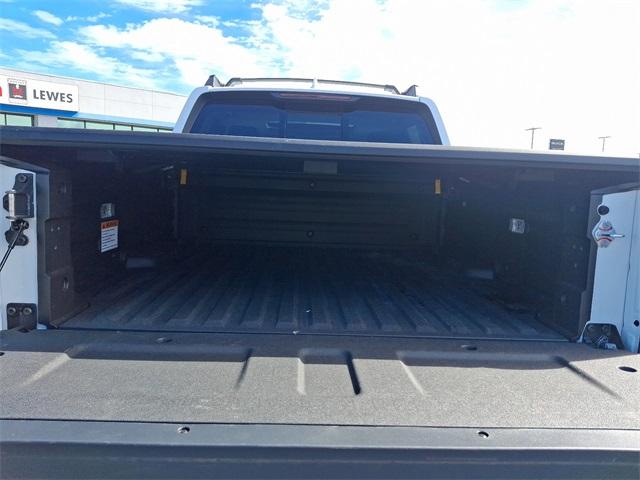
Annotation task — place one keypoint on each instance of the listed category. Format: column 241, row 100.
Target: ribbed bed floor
column 297, row 290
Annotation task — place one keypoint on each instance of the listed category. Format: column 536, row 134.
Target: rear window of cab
column 314, row 116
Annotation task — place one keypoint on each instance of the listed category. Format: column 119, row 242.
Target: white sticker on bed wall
column 108, row 235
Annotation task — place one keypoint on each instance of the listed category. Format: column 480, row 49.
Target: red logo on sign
column 18, row 91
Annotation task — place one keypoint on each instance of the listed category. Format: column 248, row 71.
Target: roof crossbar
column 315, row 82
column 214, row 81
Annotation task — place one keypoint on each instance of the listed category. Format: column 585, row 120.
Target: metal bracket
column 213, row 81
column 518, row 225
column 602, row 335
column 412, row 91
column 18, row 201
column 22, row 315
column 16, row 230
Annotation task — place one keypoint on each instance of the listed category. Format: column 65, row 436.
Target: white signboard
column 38, row 94
column 108, row 235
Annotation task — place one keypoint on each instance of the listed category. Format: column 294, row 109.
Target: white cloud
column 95, row 18
column 196, row 50
column 162, row 6
column 570, row 66
column 20, row 29
column 83, row 58
column 90, row 18
column 48, row 17
column 209, row 20
column 146, row 56
column 233, row 23
column 494, row 67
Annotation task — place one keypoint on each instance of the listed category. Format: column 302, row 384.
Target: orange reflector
column 437, row 187
column 183, row 176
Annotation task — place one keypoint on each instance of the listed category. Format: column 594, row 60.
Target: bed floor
column 304, row 290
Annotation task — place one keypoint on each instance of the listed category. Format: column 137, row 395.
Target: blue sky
column 495, row 67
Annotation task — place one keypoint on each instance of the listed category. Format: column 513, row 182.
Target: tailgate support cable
column 18, row 226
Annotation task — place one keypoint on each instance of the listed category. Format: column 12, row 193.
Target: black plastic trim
column 188, row 142
column 52, row 449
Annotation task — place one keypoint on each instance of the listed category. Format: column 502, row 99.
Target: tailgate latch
column 19, row 200
column 604, row 233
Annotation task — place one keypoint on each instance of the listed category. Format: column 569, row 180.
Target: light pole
column 604, row 139
column 533, row 131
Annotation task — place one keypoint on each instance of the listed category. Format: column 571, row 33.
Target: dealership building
column 33, row 99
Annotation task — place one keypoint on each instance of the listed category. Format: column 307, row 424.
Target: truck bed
column 307, row 290
column 270, row 360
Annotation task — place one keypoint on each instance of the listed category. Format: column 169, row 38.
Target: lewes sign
column 35, row 93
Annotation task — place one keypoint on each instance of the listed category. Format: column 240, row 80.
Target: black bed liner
column 307, row 290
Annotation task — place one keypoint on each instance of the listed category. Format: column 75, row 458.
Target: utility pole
column 533, row 131
column 604, row 139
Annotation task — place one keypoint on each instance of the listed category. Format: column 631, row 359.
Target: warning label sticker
column 108, row 235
